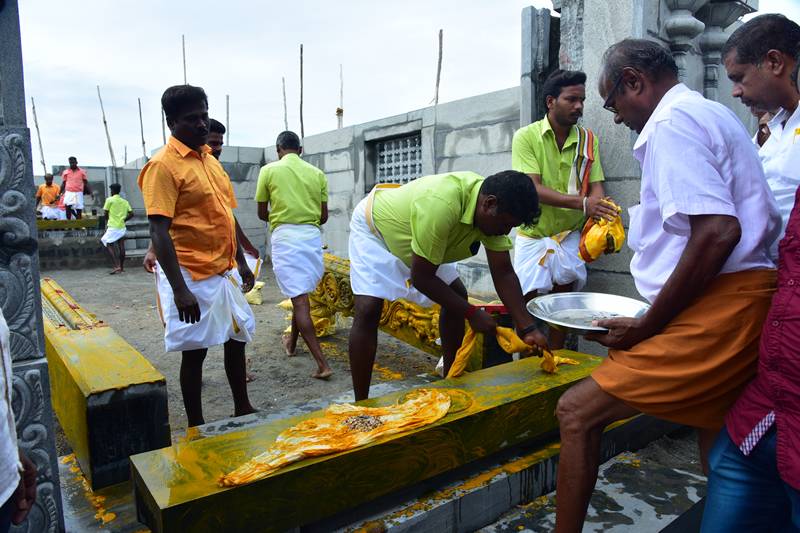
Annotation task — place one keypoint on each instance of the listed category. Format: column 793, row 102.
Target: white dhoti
column 112, row 235
column 74, row 199
column 51, row 212
column 297, row 258
column 375, row 271
column 542, row 263
column 224, row 312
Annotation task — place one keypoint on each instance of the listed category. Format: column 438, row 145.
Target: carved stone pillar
column 717, row 16
column 19, row 282
column 681, row 27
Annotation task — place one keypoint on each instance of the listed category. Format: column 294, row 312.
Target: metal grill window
column 399, row 160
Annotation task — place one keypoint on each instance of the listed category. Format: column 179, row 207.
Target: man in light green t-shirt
column 117, row 211
column 404, row 242
column 564, row 162
column 292, row 196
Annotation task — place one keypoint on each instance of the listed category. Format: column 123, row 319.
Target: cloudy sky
column 132, row 49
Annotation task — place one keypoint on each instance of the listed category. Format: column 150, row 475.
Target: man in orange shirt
column 73, row 186
column 201, row 271
column 47, row 195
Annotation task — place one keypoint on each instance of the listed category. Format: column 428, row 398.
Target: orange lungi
column 695, row 368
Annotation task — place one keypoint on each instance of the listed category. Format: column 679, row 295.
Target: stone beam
column 176, row 488
column 110, row 400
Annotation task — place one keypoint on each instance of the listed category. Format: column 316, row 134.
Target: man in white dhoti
column 404, row 242
column 47, row 195
column 74, row 185
column 201, row 271
column 563, row 160
column 293, row 196
column 117, row 211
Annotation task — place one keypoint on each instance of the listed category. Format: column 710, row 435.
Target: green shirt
column 433, row 217
column 534, row 151
column 294, row 189
column 118, row 208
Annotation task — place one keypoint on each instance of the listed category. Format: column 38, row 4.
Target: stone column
column 19, row 282
column 717, row 16
column 540, row 38
column 681, row 27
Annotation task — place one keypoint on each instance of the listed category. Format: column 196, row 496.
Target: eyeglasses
column 607, row 105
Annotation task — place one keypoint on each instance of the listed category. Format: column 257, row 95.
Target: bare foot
column 290, row 350
column 115, row 271
column 323, row 374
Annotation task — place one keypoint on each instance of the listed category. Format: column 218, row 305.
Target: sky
column 132, row 49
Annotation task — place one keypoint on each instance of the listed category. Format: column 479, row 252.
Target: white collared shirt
column 780, row 157
column 697, row 159
column 9, row 453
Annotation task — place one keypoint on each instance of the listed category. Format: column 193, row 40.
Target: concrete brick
column 486, row 108
column 391, row 127
column 337, row 161
column 230, row 154
column 324, row 142
column 487, row 139
column 619, row 262
column 251, row 155
column 341, row 182
column 485, row 165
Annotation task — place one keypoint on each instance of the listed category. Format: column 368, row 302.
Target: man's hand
column 188, row 308
column 623, row 332
column 482, row 322
column 535, row 338
column 597, row 208
column 149, row 262
column 248, row 280
column 25, row 495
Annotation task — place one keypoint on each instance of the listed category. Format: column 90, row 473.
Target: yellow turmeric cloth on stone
column 342, row 427
column 510, row 342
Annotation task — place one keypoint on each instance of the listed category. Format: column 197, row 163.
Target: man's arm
column 128, row 217
column 424, row 278
column 712, row 240
column 241, row 262
column 323, row 217
column 595, row 207
column 107, row 214
column 63, row 186
column 86, row 188
column 508, row 289
column 188, row 308
column 263, row 212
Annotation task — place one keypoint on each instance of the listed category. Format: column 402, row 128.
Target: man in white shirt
column 701, row 238
column 761, row 60
column 17, row 472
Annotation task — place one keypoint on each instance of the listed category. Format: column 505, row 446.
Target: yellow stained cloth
column 510, row 342
column 342, row 427
column 602, row 236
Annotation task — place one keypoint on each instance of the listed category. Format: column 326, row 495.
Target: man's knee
column 570, row 414
column 368, row 310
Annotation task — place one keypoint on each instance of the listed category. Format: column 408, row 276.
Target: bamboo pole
column 227, row 119
column 125, row 158
column 38, row 135
column 340, row 109
column 438, row 69
column 163, row 128
column 302, row 127
column 108, row 136
column 141, row 130
column 285, row 113
column 183, row 48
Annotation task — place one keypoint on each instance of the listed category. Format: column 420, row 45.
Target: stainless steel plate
column 575, row 311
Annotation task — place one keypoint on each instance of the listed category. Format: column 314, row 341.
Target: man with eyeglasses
column 701, row 238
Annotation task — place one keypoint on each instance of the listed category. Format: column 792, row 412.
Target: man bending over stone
column 404, row 242
column 201, row 271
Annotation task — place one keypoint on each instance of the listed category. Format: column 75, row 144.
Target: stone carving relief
column 30, row 394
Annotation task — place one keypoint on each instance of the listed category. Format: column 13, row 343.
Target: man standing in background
column 47, row 195
column 117, row 211
column 73, row 186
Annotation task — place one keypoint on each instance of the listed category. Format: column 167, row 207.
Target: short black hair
column 288, row 140
column 178, row 97
column 559, row 79
column 752, row 40
column 70, row 158
column 115, row 188
column 215, row 126
column 515, row 193
column 644, row 55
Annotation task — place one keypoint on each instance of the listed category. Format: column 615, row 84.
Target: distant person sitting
column 117, row 211
column 47, row 195
column 73, row 187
